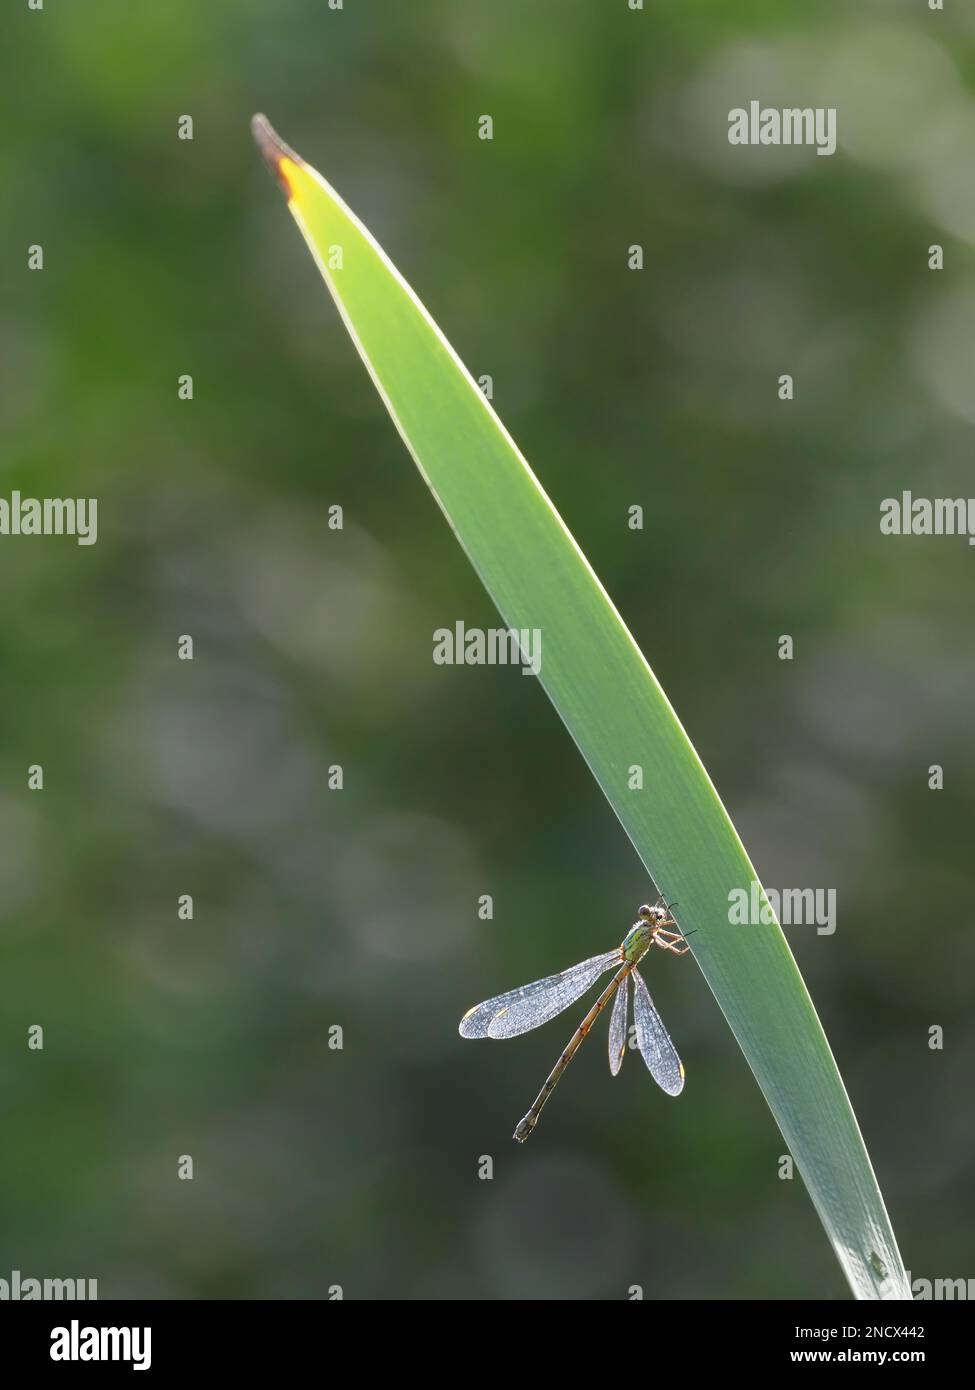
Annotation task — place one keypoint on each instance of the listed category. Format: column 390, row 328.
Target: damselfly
column 521, row 1010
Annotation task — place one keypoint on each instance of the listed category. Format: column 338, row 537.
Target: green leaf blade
column 613, row 707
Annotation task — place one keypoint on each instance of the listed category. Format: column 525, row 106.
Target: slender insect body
column 520, row 1010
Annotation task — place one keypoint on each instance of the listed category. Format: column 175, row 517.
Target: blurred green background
column 316, row 1167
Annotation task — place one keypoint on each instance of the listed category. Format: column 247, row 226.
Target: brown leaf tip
column 273, row 148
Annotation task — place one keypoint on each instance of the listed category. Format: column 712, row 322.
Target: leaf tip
column 276, row 153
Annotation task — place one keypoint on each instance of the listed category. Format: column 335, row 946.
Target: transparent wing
column 658, row 1051
column 617, row 1026
column 520, row 1010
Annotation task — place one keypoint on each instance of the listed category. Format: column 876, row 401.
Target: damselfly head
column 656, row 915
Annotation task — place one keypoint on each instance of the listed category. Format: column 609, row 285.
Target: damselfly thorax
column 650, row 930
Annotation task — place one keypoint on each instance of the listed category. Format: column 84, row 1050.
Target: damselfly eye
column 645, row 910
